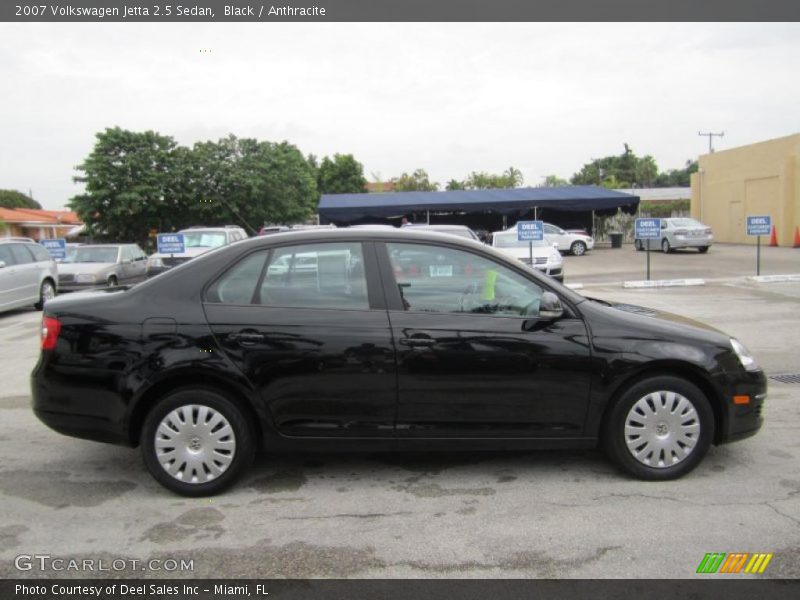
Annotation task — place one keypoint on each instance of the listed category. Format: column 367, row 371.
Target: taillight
column 51, row 327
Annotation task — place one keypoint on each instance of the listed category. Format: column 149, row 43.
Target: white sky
column 449, row 98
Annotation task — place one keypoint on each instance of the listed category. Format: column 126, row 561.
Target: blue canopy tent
column 346, row 209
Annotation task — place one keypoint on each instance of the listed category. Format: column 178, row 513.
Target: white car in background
column 575, row 243
column 546, row 257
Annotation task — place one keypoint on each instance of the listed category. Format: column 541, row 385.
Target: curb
column 658, row 283
column 774, row 278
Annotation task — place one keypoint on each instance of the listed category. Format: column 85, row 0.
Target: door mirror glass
column 550, row 306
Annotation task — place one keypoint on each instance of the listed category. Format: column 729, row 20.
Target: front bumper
column 741, row 421
column 74, row 286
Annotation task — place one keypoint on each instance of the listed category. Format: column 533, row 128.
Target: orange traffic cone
column 797, row 237
column 773, row 239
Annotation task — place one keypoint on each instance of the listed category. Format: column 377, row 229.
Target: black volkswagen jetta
column 379, row 339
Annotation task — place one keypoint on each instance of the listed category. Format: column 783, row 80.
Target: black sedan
column 376, row 340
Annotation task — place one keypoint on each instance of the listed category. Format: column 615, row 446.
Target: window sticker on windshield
column 441, row 270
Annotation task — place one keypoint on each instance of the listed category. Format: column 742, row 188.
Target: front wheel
column 702, row 249
column 578, row 248
column 660, row 428
column 639, row 245
column 665, row 247
column 112, row 281
column 196, row 442
column 47, row 291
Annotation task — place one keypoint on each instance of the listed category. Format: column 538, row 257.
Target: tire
column 577, row 249
column 47, row 291
column 112, row 281
column 196, row 470
column 639, row 245
column 670, row 443
column 702, row 249
column 665, row 247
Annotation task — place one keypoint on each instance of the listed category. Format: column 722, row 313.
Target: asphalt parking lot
column 532, row 514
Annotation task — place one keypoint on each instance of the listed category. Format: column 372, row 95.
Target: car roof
column 436, row 226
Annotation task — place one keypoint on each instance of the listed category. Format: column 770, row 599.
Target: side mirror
column 2, row 264
column 550, row 307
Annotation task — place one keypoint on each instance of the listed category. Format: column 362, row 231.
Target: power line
column 710, row 137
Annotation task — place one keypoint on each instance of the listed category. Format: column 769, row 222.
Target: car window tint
column 551, row 229
column 39, row 253
column 21, row 254
column 5, row 254
column 238, row 284
column 316, row 276
column 440, row 279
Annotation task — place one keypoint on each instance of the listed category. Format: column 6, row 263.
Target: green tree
column 126, row 179
column 554, row 181
column 15, row 199
column 341, row 175
column 481, row 180
column 621, row 171
column 247, row 182
column 677, row 177
column 454, row 184
column 418, row 181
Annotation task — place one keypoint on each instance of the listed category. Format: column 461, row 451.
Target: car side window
column 325, row 275
column 551, row 229
column 5, row 255
column 39, row 253
column 238, row 284
column 22, row 255
column 447, row 280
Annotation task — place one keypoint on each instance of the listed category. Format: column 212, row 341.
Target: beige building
column 758, row 179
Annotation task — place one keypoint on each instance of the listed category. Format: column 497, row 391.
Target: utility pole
column 711, row 136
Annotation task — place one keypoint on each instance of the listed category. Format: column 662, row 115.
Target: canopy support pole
column 429, row 216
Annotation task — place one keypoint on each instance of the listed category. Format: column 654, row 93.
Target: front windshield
column 203, row 239
column 509, row 240
column 89, row 254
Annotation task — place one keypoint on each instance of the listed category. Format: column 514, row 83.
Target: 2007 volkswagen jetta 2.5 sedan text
column 382, row 340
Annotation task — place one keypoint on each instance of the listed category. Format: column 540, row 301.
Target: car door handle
column 417, row 342
column 246, row 338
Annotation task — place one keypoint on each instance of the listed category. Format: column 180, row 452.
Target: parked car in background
column 546, row 257
column 459, row 230
column 574, row 243
column 680, row 232
column 269, row 229
column 101, row 265
column 196, row 241
column 28, row 275
column 382, row 339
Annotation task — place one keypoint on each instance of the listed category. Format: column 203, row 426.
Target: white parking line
column 656, row 283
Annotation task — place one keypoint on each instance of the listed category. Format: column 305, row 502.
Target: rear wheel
column 196, row 442
column 578, row 248
column 702, row 249
column 47, row 291
column 665, row 247
column 112, row 281
column 639, row 245
column 660, row 428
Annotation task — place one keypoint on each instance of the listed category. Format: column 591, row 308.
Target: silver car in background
column 680, row 232
column 101, row 265
column 28, row 275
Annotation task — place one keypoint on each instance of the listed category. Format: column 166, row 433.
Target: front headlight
column 748, row 362
column 155, row 261
column 85, row 278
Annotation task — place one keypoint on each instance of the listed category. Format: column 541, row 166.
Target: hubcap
column 579, row 249
column 662, row 429
column 195, row 443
